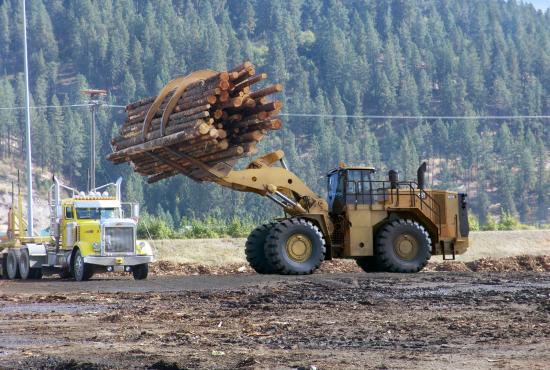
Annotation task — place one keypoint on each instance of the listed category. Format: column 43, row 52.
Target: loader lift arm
column 263, row 178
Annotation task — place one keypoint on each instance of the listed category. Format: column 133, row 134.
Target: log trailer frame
column 88, row 233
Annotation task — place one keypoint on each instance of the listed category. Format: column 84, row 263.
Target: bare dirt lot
column 430, row 320
column 203, row 307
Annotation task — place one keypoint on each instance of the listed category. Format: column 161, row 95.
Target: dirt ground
column 429, row 320
column 483, row 244
column 203, row 307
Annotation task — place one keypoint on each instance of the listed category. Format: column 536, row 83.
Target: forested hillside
column 335, row 57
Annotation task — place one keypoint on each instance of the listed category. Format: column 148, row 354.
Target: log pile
column 216, row 119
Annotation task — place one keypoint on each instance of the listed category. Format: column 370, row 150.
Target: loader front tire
column 254, row 249
column 295, row 247
column 403, row 246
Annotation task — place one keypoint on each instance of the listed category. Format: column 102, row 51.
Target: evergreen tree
column 334, row 57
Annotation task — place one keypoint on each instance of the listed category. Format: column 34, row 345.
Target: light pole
column 28, row 141
column 94, row 104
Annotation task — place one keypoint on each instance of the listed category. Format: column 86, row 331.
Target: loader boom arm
column 277, row 183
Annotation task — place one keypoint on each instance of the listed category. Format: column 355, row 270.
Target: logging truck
column 385, row 224
column 88, row 233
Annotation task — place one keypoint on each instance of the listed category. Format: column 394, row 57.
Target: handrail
column 428, row 204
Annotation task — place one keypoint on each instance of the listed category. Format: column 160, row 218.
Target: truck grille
column 119, row 240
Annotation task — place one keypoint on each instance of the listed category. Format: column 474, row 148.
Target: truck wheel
column 403, row 246
column 24, row 264
column 82, row 271
column 368, row 263
column 12, row 265
column 25, row 267
column 4, row 262
column 140, row 272
column 254, row 249
column 295, row 247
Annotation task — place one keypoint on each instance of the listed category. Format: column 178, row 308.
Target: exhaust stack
column 421, row 175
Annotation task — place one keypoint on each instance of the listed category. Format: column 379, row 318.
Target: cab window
column 69, row 212
column 336, row 192
column 95, row 213
column 358, row 187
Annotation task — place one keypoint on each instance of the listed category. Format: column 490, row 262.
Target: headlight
column 96, row 246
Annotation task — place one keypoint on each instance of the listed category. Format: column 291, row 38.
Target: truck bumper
column 118, row 260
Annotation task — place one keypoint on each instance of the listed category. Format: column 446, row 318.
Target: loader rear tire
column 254, row 249
column 403, row 246
column 368, row 263
column 295, row 247
column 12, row 265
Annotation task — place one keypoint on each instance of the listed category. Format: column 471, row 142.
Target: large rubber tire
column 82, row 271
column 255, row 251
column 293, row 236
column 24, row 264
column 368, row 263
column 4, row 262
column 403, row 246
column 140, row 272
column 25, row 269
column 12, row 265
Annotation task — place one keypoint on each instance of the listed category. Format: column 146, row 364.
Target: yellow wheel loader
column 385, row 225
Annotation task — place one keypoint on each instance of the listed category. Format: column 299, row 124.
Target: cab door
column 336, row 193
column 358, row 195
column 68, row 223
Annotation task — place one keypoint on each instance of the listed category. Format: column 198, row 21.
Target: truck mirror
column 135, row 210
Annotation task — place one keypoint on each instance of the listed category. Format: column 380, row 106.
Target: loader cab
column 349, row 185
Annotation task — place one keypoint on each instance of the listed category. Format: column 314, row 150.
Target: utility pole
column 94, row 104
column 27, row 103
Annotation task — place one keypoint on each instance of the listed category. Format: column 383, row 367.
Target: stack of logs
column 217, row 119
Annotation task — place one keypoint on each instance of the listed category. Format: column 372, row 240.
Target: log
column 157, row 143
column 240, row 67
column 219, row 119
column 201, row 125
column 251, row 81
column 267, row 91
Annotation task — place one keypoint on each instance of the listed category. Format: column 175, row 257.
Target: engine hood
column 122, row 222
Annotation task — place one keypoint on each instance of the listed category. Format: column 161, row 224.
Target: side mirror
column 135, row 211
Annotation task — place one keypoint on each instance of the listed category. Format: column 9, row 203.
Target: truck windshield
column 95, row 213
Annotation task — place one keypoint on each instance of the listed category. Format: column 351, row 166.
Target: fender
column 36, row 250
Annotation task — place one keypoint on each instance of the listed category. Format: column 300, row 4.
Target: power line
column 113, row 106
column 316, row 115
column 46, row 106
column 370, row 116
